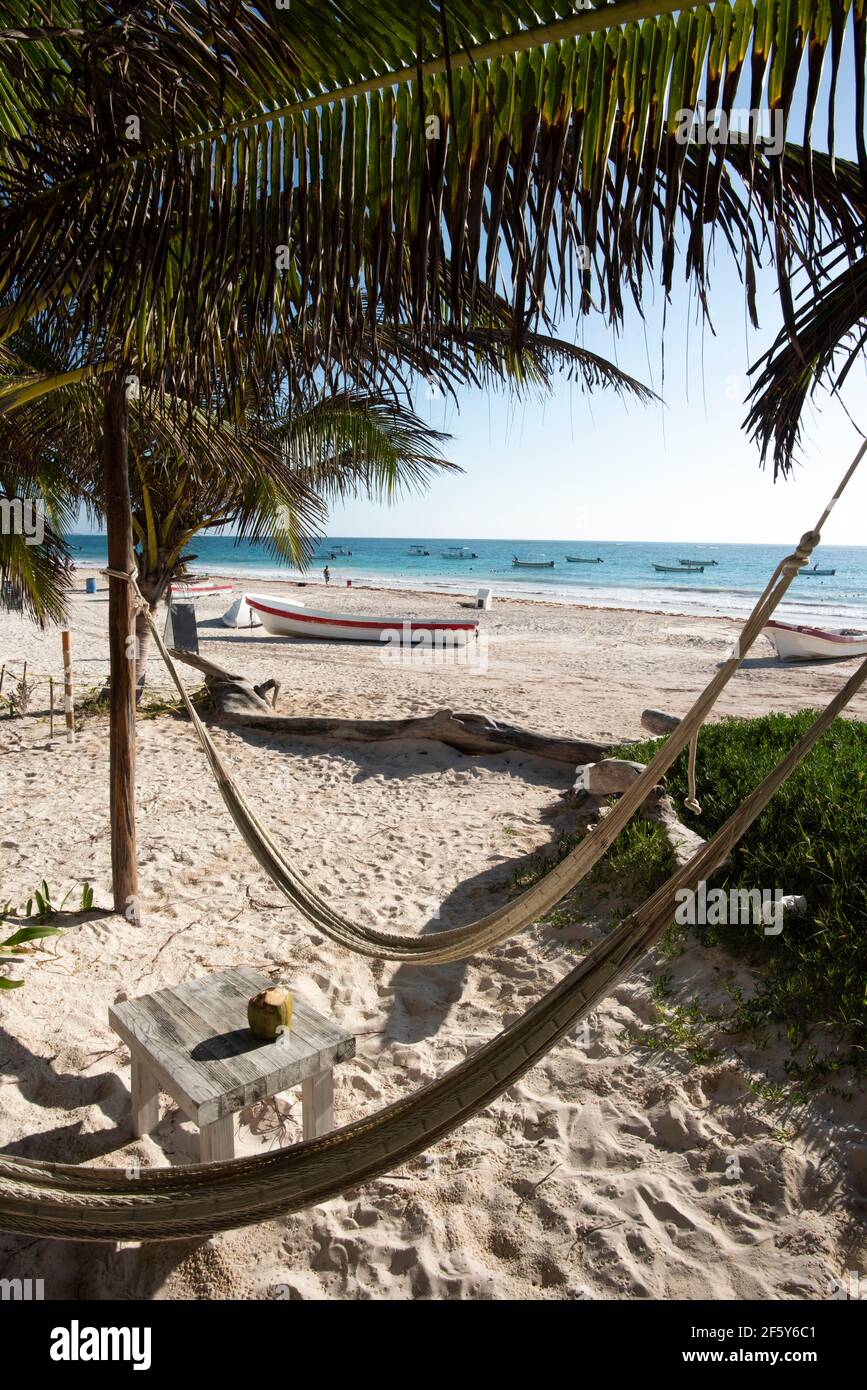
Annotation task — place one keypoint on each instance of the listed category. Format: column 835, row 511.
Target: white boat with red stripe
column 286, row 619
column 815, row 643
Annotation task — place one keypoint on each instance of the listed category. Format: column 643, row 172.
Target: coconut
column 269, row 1012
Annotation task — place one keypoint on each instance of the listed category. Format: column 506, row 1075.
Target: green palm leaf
column 250, row 121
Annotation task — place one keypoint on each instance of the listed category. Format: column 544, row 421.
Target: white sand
column 605, row 1172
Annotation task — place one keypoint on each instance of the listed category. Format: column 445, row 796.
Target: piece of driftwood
column 606, row 776
column 239, row 702
column 657, row 722
column 611, row 777
column 659, row 808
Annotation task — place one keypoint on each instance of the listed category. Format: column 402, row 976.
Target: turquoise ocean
column 625, row 578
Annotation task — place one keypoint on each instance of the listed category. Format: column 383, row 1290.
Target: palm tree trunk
column 124, row 873
column 142, row 650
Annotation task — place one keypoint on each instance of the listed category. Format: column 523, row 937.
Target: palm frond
column 294, row 179
column 830, row 334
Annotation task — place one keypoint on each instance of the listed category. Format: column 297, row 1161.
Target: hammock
column 460, row 942
column 67, row 1202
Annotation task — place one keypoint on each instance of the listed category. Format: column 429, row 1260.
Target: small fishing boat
column 459, row 552
column 283, row 618
column 198, row 587
column 679, row 569
column 798, row 643
column 692, row 563
column 806, row 571
column 585, row 560
column 241, row 615
column 417, row 550
column 531, row 564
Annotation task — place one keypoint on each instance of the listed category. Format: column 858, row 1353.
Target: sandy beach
column 605, row 1173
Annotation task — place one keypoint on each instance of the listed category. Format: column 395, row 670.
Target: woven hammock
column 460, row 942
column 67, row 1202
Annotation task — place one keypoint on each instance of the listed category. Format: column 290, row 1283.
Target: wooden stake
column 51, row 705
column 68, row 705
column 121, row 641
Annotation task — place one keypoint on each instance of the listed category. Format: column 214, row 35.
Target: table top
column 195, row 1039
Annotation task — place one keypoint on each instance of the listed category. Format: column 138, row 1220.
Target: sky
column 598, row 467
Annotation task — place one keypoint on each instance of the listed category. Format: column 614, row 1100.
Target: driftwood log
column 657, row 722
column 612, row 776
column 239, row 702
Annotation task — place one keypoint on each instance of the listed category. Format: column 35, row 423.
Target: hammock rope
column 67, row 1202
column 64, row 1201
column 458, row 943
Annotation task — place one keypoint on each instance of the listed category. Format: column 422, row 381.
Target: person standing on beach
column 327, row 573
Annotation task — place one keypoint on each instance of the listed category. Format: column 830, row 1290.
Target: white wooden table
column 193, row 1043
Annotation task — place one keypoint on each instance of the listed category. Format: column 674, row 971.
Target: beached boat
column 531, row 564
column 417, row 550
column 459, row 552
column 679, row 569
column 799, row 643
column 283, row 618
column 692, row 563
column 241, row 615
column 803, row 573
column 585, row 560
column 181, row 588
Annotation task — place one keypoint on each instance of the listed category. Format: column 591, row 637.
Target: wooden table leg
column 145, row 1098
column 317, row 1104
column 217, row 1141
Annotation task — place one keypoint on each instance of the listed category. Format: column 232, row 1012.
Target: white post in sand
column 67, row 687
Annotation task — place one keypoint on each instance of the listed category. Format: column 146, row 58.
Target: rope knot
column 806, row 545
column 130, row 578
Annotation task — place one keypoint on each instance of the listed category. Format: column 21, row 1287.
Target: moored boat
column 417, row 550
column 679, row 569
column 282, row 618
column 459, row 552
column 531, row 564
column 692, row 563
column 807, row 571
column 585, row 560
column 801, row 643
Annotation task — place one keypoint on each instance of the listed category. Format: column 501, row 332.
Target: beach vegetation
column 810, row 980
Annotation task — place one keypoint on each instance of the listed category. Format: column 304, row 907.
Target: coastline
column 797, row 610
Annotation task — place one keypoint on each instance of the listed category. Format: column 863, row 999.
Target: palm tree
column 340, row 444
column 188, row 190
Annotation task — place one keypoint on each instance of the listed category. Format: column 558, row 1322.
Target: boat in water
column 283, row 618
column 799, row 643
column 417, row 550
column 585, row 560
column 691, row 564
column 679, row 569
column 803, row 573
column 531, row 564
column 459, row 552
